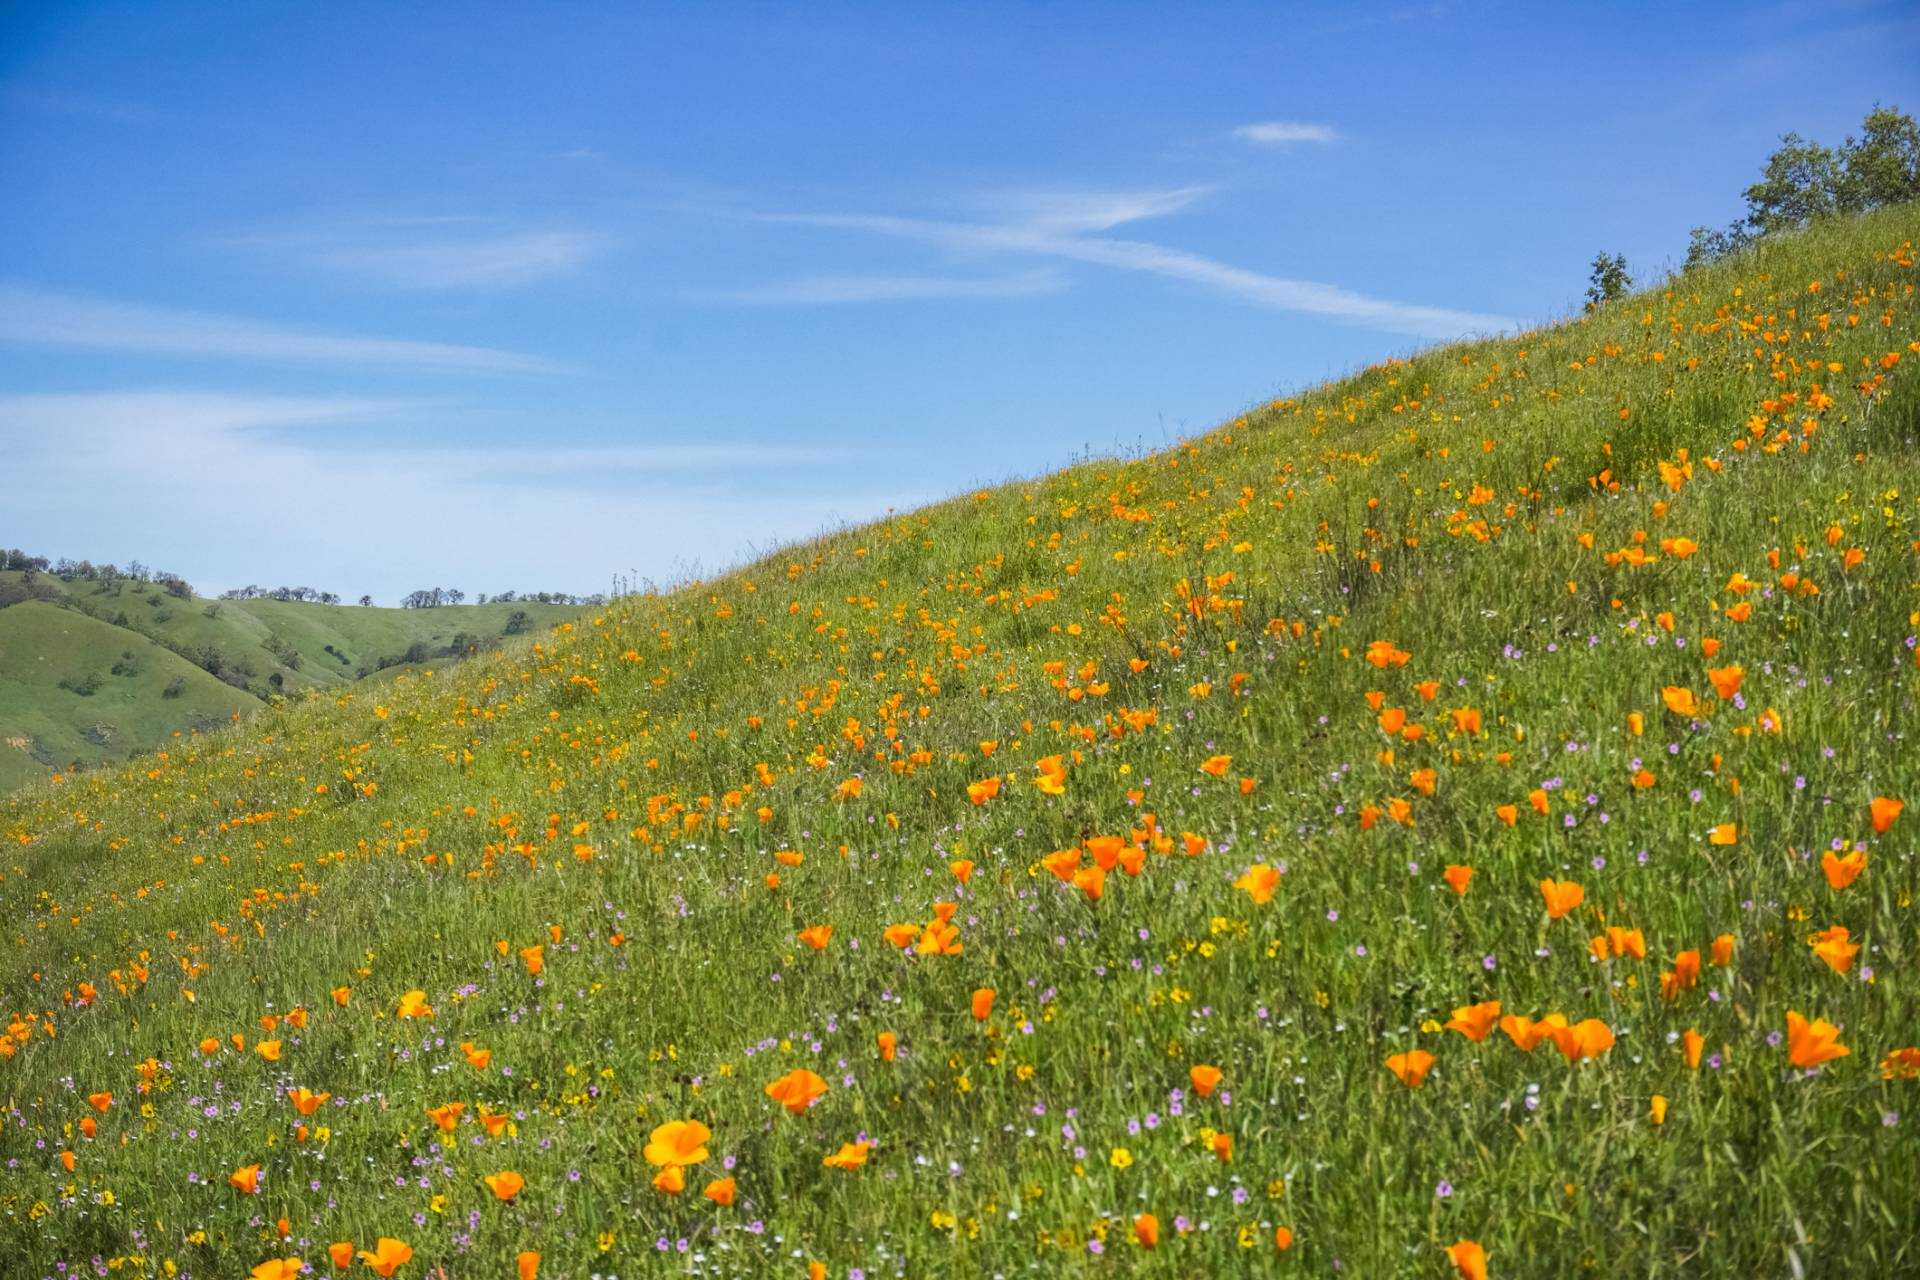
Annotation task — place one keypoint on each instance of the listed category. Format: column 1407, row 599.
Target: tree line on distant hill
column 69, row 570
column 1801, row 182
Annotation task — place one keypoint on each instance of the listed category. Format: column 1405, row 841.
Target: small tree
column 1608, row 281
column 1882, row 166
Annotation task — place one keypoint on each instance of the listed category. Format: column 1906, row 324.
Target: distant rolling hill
column 97, row 670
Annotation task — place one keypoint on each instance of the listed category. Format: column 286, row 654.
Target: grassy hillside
column 1074, row 876
column 118, row 647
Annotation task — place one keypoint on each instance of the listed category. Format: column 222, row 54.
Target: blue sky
column 370, row 298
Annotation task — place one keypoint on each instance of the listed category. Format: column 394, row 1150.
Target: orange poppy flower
column 536, row 958
column 1216, row 765
column 1091, row 881
column 1883, row 812
column 100, row 1101
column 962, row 870
column 1204, row 1079
column 902, row 935
column 1561, row 896
column 494, row 1122
column 1691, row 1043
column 268, row 1049
column 1475, row 1021
column 1723, row 950
column 851, row 1155
column 1146, row 1231
column 1258, row 882
column 414, row 1005
column 505, row 1184
column 1680, row 700
column 387, row 1253
column 306, row 1101
column 1412, row 1067
column 526, row 1265
column 276, row 1269
column 1726, row 680
column 670, row 1181
column 1457, row 875
column 984, row 790
column 1811, row 1043
column 818, row 936
column 1832, row 946
column 1469, row 1259
column 677, row 1142
column 983, row 1004
column 1589, row 1039
column 797, row 1090
column 246, row 1179
column 341, row 1252
column 889, row 1045
column 476, row 1058
column 1283, row 1238
column 447, row 1115
column 341, row 995
column 720, row 1191
column 1843, row 871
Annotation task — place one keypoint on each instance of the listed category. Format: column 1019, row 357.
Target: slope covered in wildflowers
column 1448, row 820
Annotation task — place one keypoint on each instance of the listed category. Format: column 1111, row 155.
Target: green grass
column 45, row 728
column 611, row 796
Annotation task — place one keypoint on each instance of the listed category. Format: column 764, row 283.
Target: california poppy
column 818, row 936
column 1475, row 1021
column 306, row 1101
column 1561, row 896
column 797, row 1090
column 1258, row 882
column 1216, row 765
column 1411, row 1067
column 1469, row 1259
column 536, row 958
column 527, row 1265
column 720, row 1191
column 851, row 1155
column 1832, row 946
column 1146, row 1230
column 1842, row 871
column 889, row 1045
column 246, row 1179
column 447, row 1115
column 1457, row 876
column 505, row 1184
column 276, row 1269
column 387, row 1253
column 414, row 1005
column 982, row 1004
column 1883, row 812
column 677, row 1142
column 341, row 1252
column 1204, row 1079
column 1811, row 1043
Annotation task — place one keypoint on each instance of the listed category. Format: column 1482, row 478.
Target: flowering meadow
column 1445, row 822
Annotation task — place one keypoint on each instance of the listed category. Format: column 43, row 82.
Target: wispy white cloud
column 1280, row 133
column 1074, row 212
column 1040, row 235
column 229, row 489
column 828, row 290
column 398, row 255
column 42, row 317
